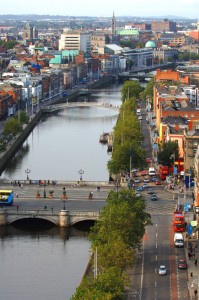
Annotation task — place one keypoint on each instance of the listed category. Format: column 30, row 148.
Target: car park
column 139, row 188
column 157, row 182
column 136, row 180
column 154, row 197
column 145, row 185
column 162, row 270
column 182, row 264
column 146, row 179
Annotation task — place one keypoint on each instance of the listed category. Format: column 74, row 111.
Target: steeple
column 113, row 25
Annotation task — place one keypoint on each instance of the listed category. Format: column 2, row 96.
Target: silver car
column 162, row 270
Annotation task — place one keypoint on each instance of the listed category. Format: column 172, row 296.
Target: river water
column 50, row 264
column 65, row 142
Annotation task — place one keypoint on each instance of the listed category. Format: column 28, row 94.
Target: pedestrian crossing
column 164, row 205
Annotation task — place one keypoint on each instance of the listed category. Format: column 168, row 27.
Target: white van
column 179, row 240
column 152, row 171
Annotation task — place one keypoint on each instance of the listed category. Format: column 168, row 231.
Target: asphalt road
column 157, row 246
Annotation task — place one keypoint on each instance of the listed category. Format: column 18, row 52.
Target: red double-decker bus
column 179, row 221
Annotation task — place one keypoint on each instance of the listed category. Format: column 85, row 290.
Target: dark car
column 150, row 191
column 154, row 197
column 182, row 264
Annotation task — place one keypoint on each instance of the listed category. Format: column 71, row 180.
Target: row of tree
column 127, row 132
column 115, row 238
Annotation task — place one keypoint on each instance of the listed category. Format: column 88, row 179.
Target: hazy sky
column 103, row 8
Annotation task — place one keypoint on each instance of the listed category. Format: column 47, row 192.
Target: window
column 176, row 141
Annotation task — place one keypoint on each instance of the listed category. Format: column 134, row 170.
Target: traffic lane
column 156, row 253
column 57, row 205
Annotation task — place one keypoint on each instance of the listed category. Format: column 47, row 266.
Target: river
column 67, row 141
column 49, row 264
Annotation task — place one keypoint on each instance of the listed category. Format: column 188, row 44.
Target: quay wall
column 14, row 145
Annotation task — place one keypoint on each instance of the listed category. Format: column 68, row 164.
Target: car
column 148, row 160
column 134, row 170
column 146, row 179
column 153, row 178
column 144, row 173
column 136, row 180
column 150, row 191
column 182, row 264
column 139, row 188
column 162, row 270
column 157, row 182
column 154, row 197
column 137, row 195
column 140, row 118
column 145, row 185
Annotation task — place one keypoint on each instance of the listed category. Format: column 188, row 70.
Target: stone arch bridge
column 62, row 218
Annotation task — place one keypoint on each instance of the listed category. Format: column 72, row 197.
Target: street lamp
column 174, row 159
column 44, row 189
column 80, row 172
column 64, row 207
column 27, row 171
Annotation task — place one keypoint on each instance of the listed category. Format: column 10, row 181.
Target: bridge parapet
column 61, row 218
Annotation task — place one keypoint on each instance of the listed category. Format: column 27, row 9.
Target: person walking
column 195, row 293
column 196, row 262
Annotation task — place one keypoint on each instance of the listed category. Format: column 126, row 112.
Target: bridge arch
column 14, row 219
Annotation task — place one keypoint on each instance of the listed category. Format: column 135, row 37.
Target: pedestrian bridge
column 59, row 106
column 62, row 218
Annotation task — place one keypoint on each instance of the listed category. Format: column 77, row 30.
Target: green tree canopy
column 12, row 126
column 166, row 151
column 131, row 89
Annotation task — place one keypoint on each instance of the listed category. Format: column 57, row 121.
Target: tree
column 148, row 91
column 131, row 89
column 165, row 154
column 108, row 285
column 12, row 126
column 24, row 118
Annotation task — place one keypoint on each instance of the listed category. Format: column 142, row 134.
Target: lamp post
column 64, row 207
column 174, row 159
column 44, row 189
column 81, row 172
column 27, row 171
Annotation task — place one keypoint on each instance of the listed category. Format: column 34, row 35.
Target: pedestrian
column 45, row 207
column 195, row 293
column 17, row 195
column 189, row 255
column 196, row 262
column 52, row 209
column 17, row 207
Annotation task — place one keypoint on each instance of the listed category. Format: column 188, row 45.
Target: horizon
column 104, row 9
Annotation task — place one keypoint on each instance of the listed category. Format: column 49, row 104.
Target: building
column 30, row 32
column 163, row 26
column 75, row 40
column 191, row 142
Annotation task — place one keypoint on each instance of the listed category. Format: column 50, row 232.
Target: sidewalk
column 193, row 261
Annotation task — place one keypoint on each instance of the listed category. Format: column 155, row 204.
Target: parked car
column 162, row 270
column 137, row 195
column 182, row 264
column 139, row 188
column 154, row 197
column 145, row 185
column 148, row 160
column 146, row 179
column 144, row 173
column 157, row 182
column 150, row 191
column 136, row 180
column 153, row 178
column 140, row 118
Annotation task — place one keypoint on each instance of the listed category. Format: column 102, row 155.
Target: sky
column 103, row 8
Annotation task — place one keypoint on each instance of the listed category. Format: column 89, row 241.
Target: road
column 157, row 246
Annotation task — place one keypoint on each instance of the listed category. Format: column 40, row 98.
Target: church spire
column 113, row 25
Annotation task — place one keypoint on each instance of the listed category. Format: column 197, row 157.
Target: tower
column 113, row 26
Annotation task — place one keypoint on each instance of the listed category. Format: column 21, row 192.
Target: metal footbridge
column 59, row 106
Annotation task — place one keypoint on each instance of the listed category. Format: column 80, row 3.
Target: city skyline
column 138, row 8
